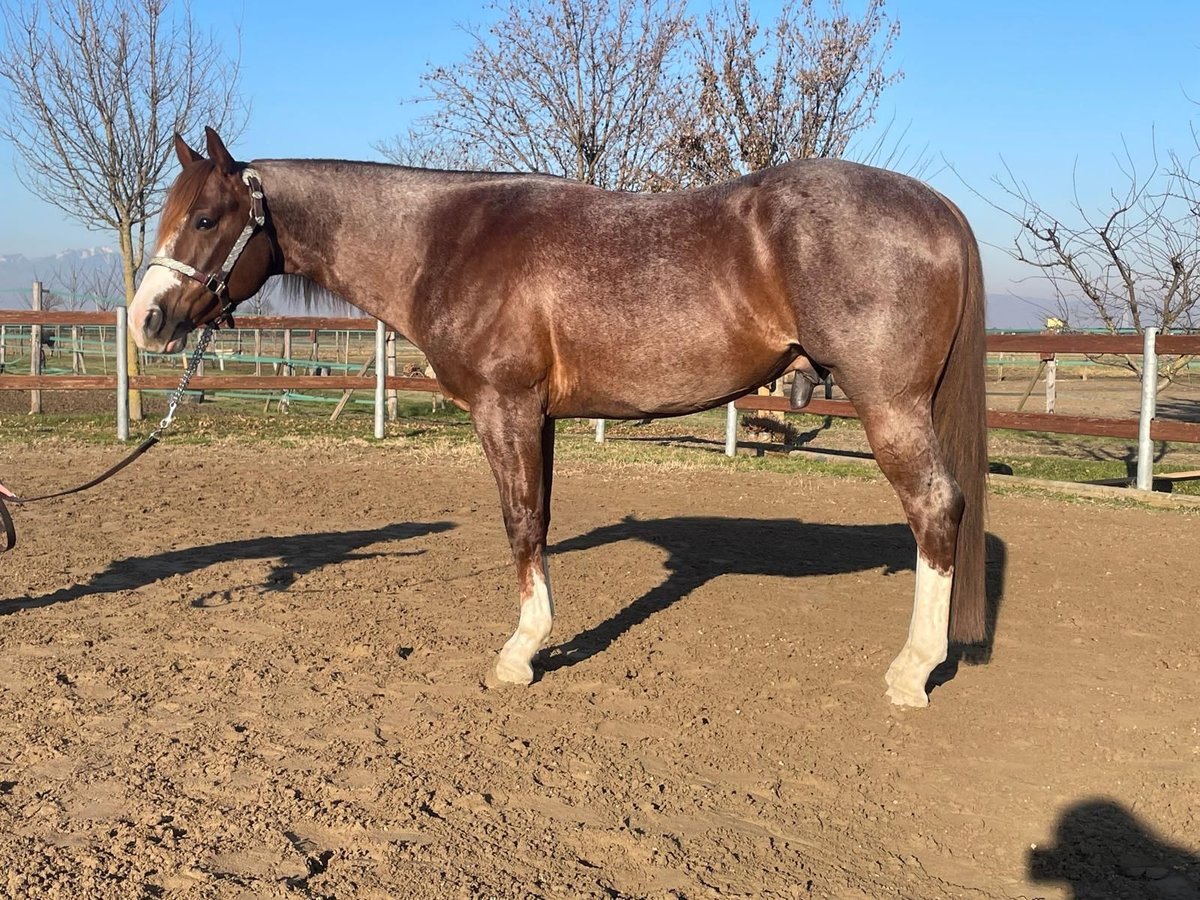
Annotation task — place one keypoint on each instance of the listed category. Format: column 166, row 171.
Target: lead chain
column 192, row 366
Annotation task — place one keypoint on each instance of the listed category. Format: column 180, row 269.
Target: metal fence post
column 730, row 429
column 122, row 374
column 380, row 376
column 1145, row 463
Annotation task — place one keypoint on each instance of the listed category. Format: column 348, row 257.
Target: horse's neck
column 329, row 219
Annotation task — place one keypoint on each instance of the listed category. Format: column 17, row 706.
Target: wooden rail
column 55, row 317
column 1160, row 429
column 267, row 323
column 216, row 383
column 1028, row 342
column 1129, row 344
column 1047, row 345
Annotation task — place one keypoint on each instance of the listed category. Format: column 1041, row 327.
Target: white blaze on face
column 156, row 283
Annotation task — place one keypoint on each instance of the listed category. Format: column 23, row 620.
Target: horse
column 416, row 370
column 436, row 402
column 537, row 298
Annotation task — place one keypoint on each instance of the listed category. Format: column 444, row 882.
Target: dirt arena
column 244, row 671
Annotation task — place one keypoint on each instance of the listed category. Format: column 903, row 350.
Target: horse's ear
column 185, row 153
column 217, row 152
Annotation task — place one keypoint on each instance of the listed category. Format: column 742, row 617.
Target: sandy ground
column 262, row 673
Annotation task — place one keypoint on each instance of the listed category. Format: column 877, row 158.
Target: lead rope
column 10, row 531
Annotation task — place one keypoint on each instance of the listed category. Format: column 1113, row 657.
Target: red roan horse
column 536, row 298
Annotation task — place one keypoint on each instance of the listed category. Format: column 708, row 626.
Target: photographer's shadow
column 1102, row 852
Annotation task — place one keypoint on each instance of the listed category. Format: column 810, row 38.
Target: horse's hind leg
column 518, row 441
column 906, row 448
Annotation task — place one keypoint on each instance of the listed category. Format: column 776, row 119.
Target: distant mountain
column 88, row 271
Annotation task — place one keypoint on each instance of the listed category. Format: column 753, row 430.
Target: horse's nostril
column 154, row 322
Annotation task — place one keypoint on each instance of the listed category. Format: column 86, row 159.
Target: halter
column 218, row 284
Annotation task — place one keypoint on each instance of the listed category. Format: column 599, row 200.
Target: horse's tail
column 960, row 421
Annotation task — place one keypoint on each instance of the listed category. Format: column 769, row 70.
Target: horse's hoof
column 902, row 696
column 513, row 671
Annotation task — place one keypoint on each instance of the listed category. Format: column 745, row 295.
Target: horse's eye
column 203, row 223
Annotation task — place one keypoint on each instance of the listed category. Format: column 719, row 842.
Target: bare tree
column 88, row 280
column 67, row 290
column 427, row 148
column 584, row 89
column 97, row 88
column 801, row 88
column 104, row 285
column 1131, row 264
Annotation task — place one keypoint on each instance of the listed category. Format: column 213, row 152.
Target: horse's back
column 638, row 304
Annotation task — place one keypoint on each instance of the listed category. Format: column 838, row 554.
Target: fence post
column 392, row 398
column 122, row 373
column 1051, row 383
column 1145, row 463
column 35, row 351
column 380, row 375
column 287, row 351
column 599, row 431
column 730, row 429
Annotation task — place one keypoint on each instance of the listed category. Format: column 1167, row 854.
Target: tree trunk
column 127, row 269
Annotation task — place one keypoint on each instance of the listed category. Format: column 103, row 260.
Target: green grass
column 238, row 419
column 658, row 447
column 665, row 445
column 1053, row 468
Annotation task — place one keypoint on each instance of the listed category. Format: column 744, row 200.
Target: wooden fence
column 1047, row 345
column 207, row 382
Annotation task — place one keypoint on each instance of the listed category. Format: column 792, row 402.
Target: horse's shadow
column 701, row 548
column 1102, row 851
column 295, row 555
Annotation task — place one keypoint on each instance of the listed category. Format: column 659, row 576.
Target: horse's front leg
column 518, row 440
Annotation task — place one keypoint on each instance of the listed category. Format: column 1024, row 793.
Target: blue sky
column 1046, row 87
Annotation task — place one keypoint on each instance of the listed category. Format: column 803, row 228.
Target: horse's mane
column 286, row 288
column 316, row 299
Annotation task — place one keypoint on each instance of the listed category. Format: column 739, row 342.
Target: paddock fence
column 22, row 338
column 23, row 350
column 1049, row 346
column 1146, row 429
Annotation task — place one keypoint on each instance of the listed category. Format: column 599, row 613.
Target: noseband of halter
column 217, row 283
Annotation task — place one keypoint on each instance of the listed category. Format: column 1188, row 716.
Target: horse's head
column 214, row 249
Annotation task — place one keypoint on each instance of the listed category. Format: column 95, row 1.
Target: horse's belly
column 633, row 391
